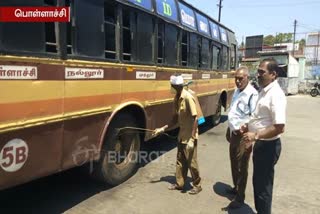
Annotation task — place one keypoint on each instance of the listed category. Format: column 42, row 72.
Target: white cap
column 176, row 80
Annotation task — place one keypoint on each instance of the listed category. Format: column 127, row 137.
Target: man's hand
column 248, row 144
column 249, row 136
column 158, row 131
column 190, row 144
column 244, row 128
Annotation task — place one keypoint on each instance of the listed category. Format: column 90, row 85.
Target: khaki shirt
column 185, row 108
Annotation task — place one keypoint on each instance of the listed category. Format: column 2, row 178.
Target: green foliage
column 302, row 43
column 284, row 37
column 279, row 38
column 269, row 40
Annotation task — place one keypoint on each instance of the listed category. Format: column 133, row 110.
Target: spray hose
column 139, row 130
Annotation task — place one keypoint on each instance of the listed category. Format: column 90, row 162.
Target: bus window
column 204, row 53
column 51, row 43
column 171, row 42
column 110, row 22
column 160, row 42
column 144, row 38
column 225, row 58
column 69, row 3
column 194, row 55
column 22, row 36
column 215, row 57
column 89, row 35
column 184, row 48
column 233, row 57
column 126, row 35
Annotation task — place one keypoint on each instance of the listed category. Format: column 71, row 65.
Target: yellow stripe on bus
column 23, row 91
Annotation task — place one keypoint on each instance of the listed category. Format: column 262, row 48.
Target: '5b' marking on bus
column 14, row 155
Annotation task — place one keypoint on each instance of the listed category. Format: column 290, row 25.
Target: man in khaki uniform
column 186, row 118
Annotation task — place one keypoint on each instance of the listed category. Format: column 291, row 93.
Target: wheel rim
column 314, row 92
column 125, row 148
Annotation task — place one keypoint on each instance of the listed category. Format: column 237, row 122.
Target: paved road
column 296, row 188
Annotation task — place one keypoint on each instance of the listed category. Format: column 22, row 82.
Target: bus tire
column 119, row 153
column 217, row 116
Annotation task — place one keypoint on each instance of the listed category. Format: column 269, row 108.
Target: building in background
column 312, row 53
column 288, row 46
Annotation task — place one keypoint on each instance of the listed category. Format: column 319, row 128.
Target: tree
column 284, row 38
column 302, row 44
column 269, row 40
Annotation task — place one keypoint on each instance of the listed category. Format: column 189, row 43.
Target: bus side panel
column 209, row 104
column 82, row 136
column 43, row 144
column 232, row 87
column 31, row 98
column 81, row 140
column 159, row 115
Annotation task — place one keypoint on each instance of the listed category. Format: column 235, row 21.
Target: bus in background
column 69, row 91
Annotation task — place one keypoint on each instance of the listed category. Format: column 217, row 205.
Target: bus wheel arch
column 223, row 98
column 119, row 152
column 222, row 102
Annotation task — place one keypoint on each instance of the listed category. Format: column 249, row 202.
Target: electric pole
column 317, row 48
column 294, row 37
column 220, row 6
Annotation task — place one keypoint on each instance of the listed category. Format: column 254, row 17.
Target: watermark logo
column 83, row 155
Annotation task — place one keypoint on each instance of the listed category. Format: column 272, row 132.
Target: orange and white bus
column 72, row 87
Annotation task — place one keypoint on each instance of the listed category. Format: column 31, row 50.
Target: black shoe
column 234, row 204
column 232, row 191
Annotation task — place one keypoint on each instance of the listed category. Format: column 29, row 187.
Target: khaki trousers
column 187, row 159
column 239, row 158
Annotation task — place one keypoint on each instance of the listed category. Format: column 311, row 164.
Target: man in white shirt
column 242, row 105
column 266, row 125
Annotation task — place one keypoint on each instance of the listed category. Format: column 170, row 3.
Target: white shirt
column 242, row 106
column 270, row 110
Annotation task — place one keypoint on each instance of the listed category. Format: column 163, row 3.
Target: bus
column 72, row 92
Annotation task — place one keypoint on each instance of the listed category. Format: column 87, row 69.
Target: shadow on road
column 60, row 192
column 52, row 194
column 172, row 180
column 221, row 189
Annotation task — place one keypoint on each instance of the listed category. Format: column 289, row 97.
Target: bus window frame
column 219, row 47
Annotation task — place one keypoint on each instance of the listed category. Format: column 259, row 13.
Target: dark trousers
column 239, row 158
column 265, row 156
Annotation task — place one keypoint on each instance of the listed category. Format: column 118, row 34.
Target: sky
column 252, row 17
